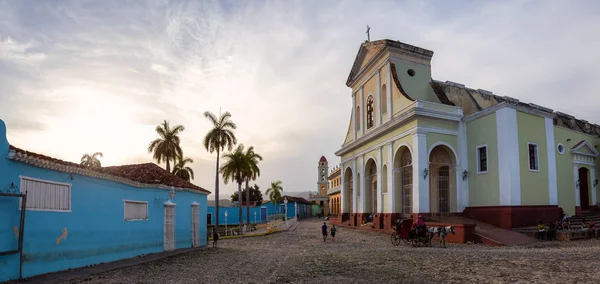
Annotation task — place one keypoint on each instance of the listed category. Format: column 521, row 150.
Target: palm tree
column 217, row 139
column 166, row 148
column 235, row 167
column 182, row 170
column 253, row 172
column 91, row 161
column 274, row 193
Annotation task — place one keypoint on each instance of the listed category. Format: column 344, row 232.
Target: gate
column 195, row 225
column 263, row 214
column 7, row 195
column 169, row 240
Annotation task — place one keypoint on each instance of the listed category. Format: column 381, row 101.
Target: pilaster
column 391, row 181
column 362, row 111
column 354, row 186
column 378, row 111
column 592, row 181
column 462, row 192
column 551, row 154
column 363, row 191
column 344, row 191
column 420, row 181
column 355, row 128
column 508, row 157
column 388, row 91
column 379, row 204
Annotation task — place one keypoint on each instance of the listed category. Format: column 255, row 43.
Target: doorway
column 444, row 189
column 195, row 225
column 169, row 222
column 583, row 189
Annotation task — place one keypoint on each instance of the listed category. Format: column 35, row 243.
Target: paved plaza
column 301, row 256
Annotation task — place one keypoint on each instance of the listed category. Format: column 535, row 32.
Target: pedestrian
column 324, row 231
column 215, row 237
column 333, row 229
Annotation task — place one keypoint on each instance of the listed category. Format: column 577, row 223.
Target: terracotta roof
column 290, row 199
column 148, row 173
column 323, row 159
column 577, row 145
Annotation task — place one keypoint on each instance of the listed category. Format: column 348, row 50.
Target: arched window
column 357, row 114
column 383, row 99
column 370, row 111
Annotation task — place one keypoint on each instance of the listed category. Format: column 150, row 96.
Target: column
column 344, row 193
column 388, row 90
column 354, row 186
column 508, row 156
column 379, row 205
column 362, row 111
column 551, row 154
column 420, row 183
column 592, row 180
column 378, row 112
column 576, row 184
column 462, row 186
column 354, row 129
column 363, row 195
column 390, row 180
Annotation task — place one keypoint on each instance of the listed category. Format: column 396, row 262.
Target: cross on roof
column 368, row 34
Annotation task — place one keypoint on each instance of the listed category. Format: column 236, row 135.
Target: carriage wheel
column 406, row 241
column 395, row 239
column 416, row 242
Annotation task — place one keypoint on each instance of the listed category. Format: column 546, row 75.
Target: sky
column 85, row 76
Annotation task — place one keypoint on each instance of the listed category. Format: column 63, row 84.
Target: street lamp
column 226, row 223
column 285, row 201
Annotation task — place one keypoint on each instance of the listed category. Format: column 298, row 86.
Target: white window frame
column 560, row 145
column 537, row 157
column 478, row 161
column 125, row 201
column 45, row 181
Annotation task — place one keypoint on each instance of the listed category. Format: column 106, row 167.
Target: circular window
column 411, row 72
column 560, row 148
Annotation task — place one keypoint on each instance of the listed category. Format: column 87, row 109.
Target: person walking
column 324, row 231
column 333, row 229
column 215, row 237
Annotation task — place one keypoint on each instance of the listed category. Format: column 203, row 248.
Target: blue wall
column 96, row 229
column 233, row 213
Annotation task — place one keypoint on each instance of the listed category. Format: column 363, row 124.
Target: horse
column 441, row 232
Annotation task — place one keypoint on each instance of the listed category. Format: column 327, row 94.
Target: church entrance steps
column 575, row 222
column 487, row 233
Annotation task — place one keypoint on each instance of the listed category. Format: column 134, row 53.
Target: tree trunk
column 217, row 191
column 247, row 204
column 168, row 166
column 240, row 205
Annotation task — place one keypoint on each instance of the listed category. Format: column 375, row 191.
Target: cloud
column 86, row 76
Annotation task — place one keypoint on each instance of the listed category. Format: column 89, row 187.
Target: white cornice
column 422, row 130
column 501, row 105
column 46, row 164
column 405, row 115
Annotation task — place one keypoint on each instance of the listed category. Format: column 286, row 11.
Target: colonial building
column 334, row 191
column 419, row 146
column 320, row 197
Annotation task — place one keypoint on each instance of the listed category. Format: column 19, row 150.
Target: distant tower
column 322, row 181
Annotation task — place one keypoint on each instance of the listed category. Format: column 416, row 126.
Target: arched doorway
column 442, row 166
column 584, row 198
column 403, row 173
column 370, row 187
column 348, row 185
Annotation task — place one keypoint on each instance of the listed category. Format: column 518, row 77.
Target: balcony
column 334, row 190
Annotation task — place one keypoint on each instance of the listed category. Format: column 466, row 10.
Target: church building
column 415, row 145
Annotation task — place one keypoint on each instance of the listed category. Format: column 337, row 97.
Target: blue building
column 258, row 214
column 77, row 216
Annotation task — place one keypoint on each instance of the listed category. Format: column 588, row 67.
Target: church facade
column 415, row 145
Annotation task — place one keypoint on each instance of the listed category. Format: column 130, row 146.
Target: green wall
column 564, row 167
column 483, row 188
column 534, row 184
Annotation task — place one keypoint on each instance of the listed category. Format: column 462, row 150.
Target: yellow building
column 415, row 145
column 334, row 191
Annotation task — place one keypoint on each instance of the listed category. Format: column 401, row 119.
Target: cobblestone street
column 301, row 256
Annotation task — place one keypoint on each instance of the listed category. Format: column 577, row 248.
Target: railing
column 334, row 190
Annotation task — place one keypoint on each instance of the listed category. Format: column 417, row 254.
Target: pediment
column 584, row 148
column 364, row 56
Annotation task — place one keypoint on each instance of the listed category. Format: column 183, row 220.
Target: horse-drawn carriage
column 408, row 233
column 405, row 232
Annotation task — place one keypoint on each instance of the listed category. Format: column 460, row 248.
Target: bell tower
column 323, row 173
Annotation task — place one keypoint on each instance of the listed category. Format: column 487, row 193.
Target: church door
column 444, row 189
column 583, row 189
